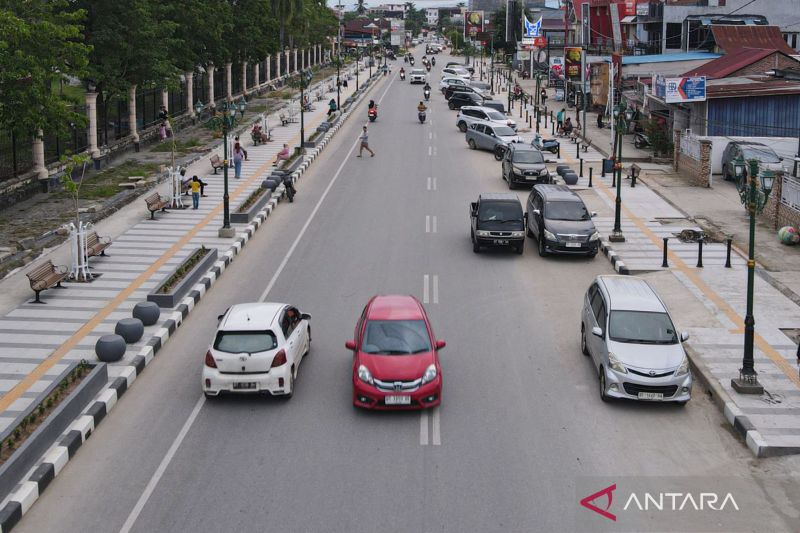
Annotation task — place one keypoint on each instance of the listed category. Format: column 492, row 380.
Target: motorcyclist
column 427, row 87
column 433, row 61
column 421, row 107
column 371, row 104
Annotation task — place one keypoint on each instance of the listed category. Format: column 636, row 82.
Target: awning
column 630, row 19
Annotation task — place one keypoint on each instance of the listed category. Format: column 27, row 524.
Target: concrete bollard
column 590, row 176
column 700, row 253
column 728, row 254
column 664, row 262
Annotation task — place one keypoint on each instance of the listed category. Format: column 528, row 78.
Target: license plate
column 245, row 385
column 573, row 245
column 500, row 241
column 651, row 396
column 398, row 400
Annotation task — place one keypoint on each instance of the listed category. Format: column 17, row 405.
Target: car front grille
column 398, row 386
column 572, row 237
column 634, row 389
column 648, row 375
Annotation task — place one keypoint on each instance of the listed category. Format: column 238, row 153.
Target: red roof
column 733, row 38
column 731, row 62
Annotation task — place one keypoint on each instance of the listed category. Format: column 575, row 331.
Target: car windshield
column 500, row 212
column 494, row 115
column 504, row 131
column 245, row 341
column 641, row 327
column 528, row 156
column 417, row 71
column 762, row 153
column 396, row 337
column 566, row 210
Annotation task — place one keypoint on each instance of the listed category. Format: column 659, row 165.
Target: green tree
column 361, row 8
column 499, row 24
column 202, row 27
column 40, row 45
column 285, row 11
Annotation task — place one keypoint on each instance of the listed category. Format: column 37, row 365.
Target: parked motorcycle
column 545, row 145
column 288, row 185
column 421, row 117
column 640, row 139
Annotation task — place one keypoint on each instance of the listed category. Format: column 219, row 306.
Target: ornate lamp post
column 620, row 113
column 304, row 80
column 226, row 118
column 242, row 106
column 754, row 188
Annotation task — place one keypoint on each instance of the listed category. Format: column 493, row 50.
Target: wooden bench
column 156, row 203
column 96, row 245
column 586, row 142
column 216, row 162
column 287, row 119
column 46, row 276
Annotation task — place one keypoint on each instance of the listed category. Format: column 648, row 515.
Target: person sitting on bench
column 282, row 155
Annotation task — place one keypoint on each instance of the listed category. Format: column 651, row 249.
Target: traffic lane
column 536, row 392
column 117, row 450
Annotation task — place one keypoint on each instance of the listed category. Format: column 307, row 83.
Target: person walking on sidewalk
column 238, row 157
column 365, row 143
column 560, row 118
column 543, row 96
column 196, row 188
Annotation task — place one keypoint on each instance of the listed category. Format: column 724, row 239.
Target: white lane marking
column 433, row 224
column 437, row 433
column 434, row 184
column 435, row 289
column 429, row 183
column 430, row 135
column 423, row 428
column 430, row 150
column 427, row 223
column 151, row 485
column 426, row 282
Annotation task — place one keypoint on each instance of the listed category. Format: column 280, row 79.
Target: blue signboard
column 681, row 90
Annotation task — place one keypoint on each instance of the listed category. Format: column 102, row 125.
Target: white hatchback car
column 455, row 72
column 258, row 347
column 450, row 80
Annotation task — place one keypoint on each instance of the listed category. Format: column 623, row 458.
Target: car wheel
column 499, row 152
column 471, row 144
column 584, row 347
column 540, row 240
column 510, row 183
column 462, row 126
column 451, row 105
column 593, row 255
column 602, row 385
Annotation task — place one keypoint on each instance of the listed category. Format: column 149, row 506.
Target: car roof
column 418, row 70
column 395, row 307
column 630, row 293
column 251, row 316
column 556, row 193
column 522, row 147
column 478, row 108
column 499, row 196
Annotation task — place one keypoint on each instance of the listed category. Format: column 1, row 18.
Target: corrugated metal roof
column 730, row 63
column 750, row 86
column 732, row 38
column 666, row 58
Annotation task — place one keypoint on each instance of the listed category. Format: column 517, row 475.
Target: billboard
column 681, row 90
column 398, row 35
column 473, row 24
column 572, row 62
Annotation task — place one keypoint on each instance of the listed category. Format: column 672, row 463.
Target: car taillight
column 210, row 360
column 279, row 359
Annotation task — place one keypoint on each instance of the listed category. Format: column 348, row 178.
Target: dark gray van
column 560, row 223
column 497, row 220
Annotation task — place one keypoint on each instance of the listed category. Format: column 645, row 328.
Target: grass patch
column 180, row 146
column 105, row 184
column 248, row 203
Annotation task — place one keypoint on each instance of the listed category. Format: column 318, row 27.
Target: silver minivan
column 627, row 331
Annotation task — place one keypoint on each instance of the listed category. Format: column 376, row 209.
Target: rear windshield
column 245, row 341
column 528, row 156
column 504, row 131
column 495, row 115
column 641, row 327
column 500, row 212
column 566, row 210
column 396, row 337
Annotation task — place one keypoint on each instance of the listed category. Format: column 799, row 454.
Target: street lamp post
column 616, row 233
column 226, row 118
column 754, row 188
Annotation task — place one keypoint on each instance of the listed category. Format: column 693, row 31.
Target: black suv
column 459, row 99
column 496, row 219
column 558, row 219
column 524, row 164
column 452, row 89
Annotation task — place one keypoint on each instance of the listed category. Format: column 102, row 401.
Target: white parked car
column 417, row 76
column 454, row 72
column 468, row 115
column 258, row 347
column 452, row 80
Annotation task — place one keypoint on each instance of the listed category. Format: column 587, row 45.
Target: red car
column 395, row 359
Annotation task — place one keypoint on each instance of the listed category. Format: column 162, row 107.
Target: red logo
column 608, row 492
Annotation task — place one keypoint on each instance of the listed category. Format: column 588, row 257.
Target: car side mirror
column 350, row 345
column 684, row 336
column 537, row 213
column 597, row 331
column 305, row 316
column 440, row 344
column 594, row 214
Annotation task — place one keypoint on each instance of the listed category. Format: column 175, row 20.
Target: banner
column 398, row 36
column 531, row 30
column 572, row 62
column 681, row 90
column 473, row 24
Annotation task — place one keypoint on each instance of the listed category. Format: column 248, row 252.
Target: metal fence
column 790, row 192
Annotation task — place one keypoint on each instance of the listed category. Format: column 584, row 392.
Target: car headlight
column 594, row 236
column 684, row 368
column 544, row 172
column 615, row 364
column 364, row 375
column 482, row 233
column 516, row 170
column 549, row 235
column 429, row 375
column 517, row 233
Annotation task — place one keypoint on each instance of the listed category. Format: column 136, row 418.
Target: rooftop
column 631, row 293
column 665, row 58
column 733, row 38
column 731, row 62
column 750, row 86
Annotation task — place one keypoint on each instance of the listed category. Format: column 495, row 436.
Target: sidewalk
column 40, row 341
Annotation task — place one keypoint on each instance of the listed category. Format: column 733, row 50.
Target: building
column 388, row 11
column 432, row 16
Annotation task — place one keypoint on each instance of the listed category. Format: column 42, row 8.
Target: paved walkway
column 38, row 342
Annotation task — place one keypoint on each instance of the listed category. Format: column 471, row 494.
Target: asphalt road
column 521, row 435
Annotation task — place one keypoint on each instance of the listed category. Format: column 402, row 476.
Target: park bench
column 216, row 162
column 96, row 245
column 156, row 203
column 46, row 276
column 586, row 142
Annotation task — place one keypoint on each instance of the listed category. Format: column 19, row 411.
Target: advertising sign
column 398, row 32
column 473, row 23
column 642, row 10
column 681, row 90
column 556, row 68
column 572, row 62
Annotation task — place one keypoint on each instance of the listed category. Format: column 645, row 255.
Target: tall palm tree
column 361, row 8
column 285, row 11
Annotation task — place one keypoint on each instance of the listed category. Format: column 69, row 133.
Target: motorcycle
column 373, row 113
column 640, row 139
column 421, row 117
column 411, row 60
column 427, row 93
column 545, row 145
column 288, row 185
column 433, row 61
column 428, row 67
column 402, row 76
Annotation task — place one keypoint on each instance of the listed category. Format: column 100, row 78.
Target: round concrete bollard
column 110, row 348
column 147, row 312
column 560, row 169
column 130, row 329
column 570, row 178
